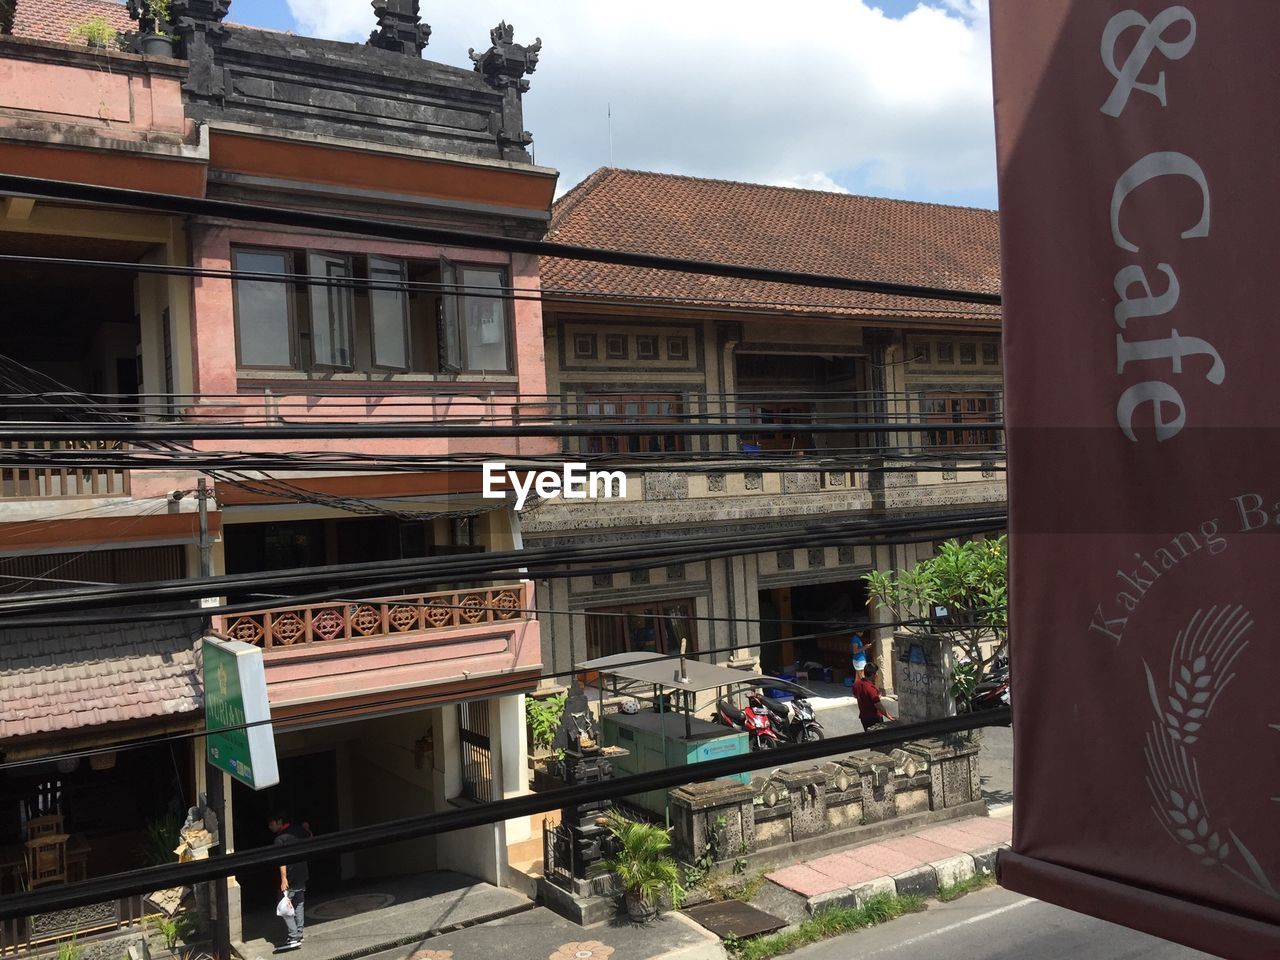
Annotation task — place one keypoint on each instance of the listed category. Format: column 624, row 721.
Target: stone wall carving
column 666, row 486
column 835, row 799
column 801, row 482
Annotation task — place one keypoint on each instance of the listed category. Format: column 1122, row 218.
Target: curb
column 922, row 881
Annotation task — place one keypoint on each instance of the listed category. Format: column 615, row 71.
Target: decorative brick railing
column 372, row 619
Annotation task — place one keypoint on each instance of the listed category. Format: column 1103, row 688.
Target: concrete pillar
column 514, row 742
column 478, row 851
column 346, row 814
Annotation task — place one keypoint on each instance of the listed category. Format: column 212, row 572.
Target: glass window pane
column 330, row 313
column 484, row 319
column 262, row 310
column 388, row 309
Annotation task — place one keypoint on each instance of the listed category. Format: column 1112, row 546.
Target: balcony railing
column 284, row 627
column 53, row 483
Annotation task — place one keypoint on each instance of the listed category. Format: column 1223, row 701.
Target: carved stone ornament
column 400, row 27
column 506, row 62
column 200, row 31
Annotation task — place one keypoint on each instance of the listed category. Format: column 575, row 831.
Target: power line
column 457, row 568
column 544, row 295
column 101, row 889
column 400, row 230
column 388, row 588
column 430, row 430
column 827, row 460
column 503, row 684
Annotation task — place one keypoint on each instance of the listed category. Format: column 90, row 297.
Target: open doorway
column 308, row 792
column 79, row 326
column 811, row 625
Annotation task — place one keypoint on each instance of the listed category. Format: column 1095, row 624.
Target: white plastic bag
column 285, row 907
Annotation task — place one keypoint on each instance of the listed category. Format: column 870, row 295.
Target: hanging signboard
column 1139, row 197
column 239, row 737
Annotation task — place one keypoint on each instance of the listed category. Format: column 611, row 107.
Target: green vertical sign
column 238, row 738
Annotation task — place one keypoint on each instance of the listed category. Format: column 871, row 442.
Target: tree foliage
column 971, row 581
column 544, row 716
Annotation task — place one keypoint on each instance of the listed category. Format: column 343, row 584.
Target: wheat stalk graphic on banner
column 1200, row 668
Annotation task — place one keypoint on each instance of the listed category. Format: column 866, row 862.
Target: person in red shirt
column 870, row 710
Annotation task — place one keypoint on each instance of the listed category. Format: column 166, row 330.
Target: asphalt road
column 995, row 924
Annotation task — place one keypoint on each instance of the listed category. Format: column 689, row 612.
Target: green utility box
column 658, row 741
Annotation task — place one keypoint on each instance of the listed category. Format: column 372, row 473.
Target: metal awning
column 661, row 670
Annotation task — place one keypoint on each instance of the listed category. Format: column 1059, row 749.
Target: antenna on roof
column 610, row 109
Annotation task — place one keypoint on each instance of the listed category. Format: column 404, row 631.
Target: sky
column 880, row 97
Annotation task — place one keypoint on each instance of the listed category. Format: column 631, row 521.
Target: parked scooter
column 754, row 719
column 794, row 720
column 993, row 689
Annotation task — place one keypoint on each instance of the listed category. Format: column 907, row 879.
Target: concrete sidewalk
column 365, row 918
column 918, row 863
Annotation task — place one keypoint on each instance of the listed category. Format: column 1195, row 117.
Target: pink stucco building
column 384, row 706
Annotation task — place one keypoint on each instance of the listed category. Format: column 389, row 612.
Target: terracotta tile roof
column 54, row 19
column 810, row 231
column 63, row 678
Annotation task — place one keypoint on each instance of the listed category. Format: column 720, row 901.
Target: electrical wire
column 403, row 230
column 540, row 294
column 500, row 686
column 145, row 880
column 430, row 430
column 470, row 566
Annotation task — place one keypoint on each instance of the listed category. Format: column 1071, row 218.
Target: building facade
column 89, row 343
column 655, row 346
column 385, row 706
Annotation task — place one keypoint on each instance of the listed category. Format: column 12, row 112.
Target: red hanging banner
column 1139, row 157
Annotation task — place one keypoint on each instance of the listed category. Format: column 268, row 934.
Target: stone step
column 525, row 850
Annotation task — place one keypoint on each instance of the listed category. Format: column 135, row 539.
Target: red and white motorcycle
column 754, row 718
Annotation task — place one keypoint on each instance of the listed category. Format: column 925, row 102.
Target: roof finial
column 400, row 27
column 506, row 62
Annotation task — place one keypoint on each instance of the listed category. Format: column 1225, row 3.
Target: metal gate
column 477, row 757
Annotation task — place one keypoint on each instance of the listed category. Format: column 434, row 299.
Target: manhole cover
column 733, row 918
column 350, row 906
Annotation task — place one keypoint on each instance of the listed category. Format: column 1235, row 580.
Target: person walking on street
column 293, row 876
column 870, row 710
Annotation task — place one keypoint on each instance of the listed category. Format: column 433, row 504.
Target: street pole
column 216, row 793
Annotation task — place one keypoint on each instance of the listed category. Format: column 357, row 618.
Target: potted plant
column 153, row 18
column 643, row 866
column 95, row 32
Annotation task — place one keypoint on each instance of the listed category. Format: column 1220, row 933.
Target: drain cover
column 344, row 907
column 733, row 918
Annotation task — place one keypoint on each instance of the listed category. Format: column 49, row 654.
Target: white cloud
column 816, row 180
column 827, row 93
